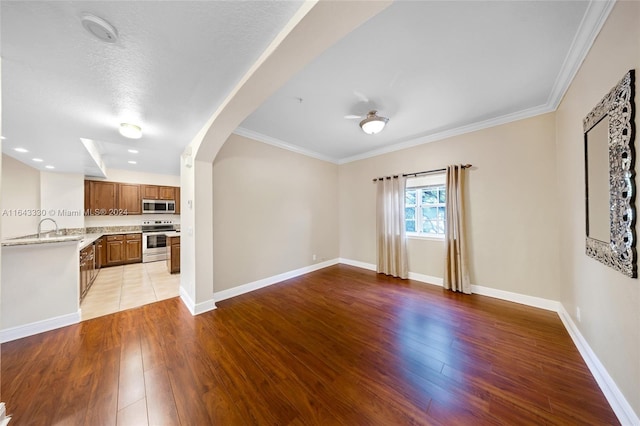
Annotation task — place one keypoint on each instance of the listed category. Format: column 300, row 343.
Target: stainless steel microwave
column 158, row 206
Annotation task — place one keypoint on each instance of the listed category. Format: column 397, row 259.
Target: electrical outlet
column 578, row 313
column 314, row 257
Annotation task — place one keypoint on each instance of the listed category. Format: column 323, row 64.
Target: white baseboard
column 614, row 396
column 199, row 308
column 13, row 333
column 255, row 285
column 427, row 279
column 358, row 264
column 523, row 299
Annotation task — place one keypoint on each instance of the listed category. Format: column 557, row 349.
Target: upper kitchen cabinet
column 101, row 195
column 154, row 192
column 167, row 193
column 150, row 192
column 129, row 198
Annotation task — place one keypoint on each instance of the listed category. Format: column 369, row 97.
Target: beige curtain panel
column 391, row 239
column 456, row 273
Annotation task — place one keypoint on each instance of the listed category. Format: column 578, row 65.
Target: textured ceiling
column 173, row 64
column 433, row 68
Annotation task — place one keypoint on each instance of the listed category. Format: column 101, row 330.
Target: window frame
column 438, row 182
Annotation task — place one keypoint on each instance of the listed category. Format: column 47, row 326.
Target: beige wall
column 609, row 302
column 273, row 210
column 20, row 190
column 512, row 225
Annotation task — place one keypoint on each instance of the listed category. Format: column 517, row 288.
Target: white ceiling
column 433, row 68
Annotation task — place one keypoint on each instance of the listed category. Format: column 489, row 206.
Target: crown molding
column 594, row 18
column 241, row 131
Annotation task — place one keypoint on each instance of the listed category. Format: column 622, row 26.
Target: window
column 425, row 211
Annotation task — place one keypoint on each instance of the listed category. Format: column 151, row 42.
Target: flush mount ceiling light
column 20, row 150
column 99, row 28
column 373, row 124
column 130, row 131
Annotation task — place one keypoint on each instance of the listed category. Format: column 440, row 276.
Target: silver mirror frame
column 618, row 104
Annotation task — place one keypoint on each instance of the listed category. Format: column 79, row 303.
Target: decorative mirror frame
column 618, row 104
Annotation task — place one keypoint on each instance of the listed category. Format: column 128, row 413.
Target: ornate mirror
column 609, row 179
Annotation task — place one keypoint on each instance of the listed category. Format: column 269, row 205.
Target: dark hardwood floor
column 340, row 346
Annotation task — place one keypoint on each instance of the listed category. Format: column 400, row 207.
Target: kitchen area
column 99, row 247
column 139, row 262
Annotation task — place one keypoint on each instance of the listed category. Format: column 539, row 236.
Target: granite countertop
column 43, row 240
column 84, row 239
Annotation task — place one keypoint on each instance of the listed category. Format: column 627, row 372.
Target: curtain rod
column 426, row 172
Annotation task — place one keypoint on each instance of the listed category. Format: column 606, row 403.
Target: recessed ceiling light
column 49, row 167
column 133, row 162
column 133, row 151
column 2, row 137
column 99, row 28
column 38, row 160
column 21, row 150
column 130, row 131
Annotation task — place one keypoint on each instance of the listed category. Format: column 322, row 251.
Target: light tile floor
column 123, row 287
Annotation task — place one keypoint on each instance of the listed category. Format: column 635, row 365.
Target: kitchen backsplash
column 102, row 221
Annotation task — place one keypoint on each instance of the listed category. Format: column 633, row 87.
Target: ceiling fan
column 372, row 123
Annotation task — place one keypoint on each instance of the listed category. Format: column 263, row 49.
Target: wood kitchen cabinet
column 129, row 198
column 101, row 253
column 114, row 198
column 150, row 192
column 167, row 192
column 133, row 248
column 155, row 192
column 115, row 250
column 173, row 254
column 102, row 196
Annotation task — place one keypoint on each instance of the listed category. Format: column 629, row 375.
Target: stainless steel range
column 154, row 240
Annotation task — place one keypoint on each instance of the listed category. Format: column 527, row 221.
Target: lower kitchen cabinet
column 173, row 254
column 88, row 269
column 123, row 248
column 115, row 250
column 133, row 248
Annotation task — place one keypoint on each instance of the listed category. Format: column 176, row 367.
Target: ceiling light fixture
column 132, row 162
column 133, row 151
column 2, row 137
column 49, row 167
column 130, row 131
column 99, row 28
column 22, row 150
column 38, row 160
column 373, row 124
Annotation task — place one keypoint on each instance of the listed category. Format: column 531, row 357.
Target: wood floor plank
column 337, row 346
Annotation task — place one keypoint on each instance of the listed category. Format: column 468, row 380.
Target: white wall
column 39, row 284
column 609, row 301
column 20, row 191
column 128, row 176
column 62, row 197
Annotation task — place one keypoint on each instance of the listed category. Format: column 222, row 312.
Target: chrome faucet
column 40, row 226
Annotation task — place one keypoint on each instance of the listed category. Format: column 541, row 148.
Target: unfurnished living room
column 319, row 213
